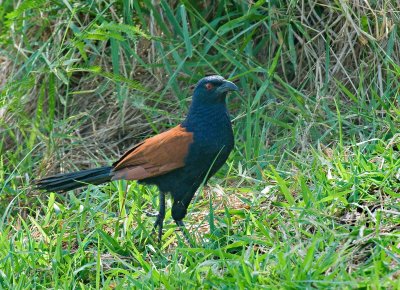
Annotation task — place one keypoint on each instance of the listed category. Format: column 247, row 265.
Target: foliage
column 309, row 198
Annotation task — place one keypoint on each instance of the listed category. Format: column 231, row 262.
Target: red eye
column 209, row 86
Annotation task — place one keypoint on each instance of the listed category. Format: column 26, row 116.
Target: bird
column 178, row 161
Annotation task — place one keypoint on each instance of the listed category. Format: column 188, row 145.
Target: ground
column 309, row 198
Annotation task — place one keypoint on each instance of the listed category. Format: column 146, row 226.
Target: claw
column 185, row 232
column 151, row 214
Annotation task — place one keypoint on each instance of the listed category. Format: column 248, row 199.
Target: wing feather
column 154, row 156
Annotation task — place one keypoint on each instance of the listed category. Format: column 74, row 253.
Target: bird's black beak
column 226, row 87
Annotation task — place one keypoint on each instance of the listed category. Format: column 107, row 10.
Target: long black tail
column 69, row 181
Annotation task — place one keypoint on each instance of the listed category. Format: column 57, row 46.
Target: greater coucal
column 178, row 161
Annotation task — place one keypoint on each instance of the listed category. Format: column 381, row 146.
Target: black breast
column 212, row 143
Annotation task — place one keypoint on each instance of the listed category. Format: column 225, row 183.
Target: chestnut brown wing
column 154, row 156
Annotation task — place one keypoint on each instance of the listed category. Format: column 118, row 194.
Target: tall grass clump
column 310, row 195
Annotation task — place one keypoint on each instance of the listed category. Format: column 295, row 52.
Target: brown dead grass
column 5, row 70
column 100, row 127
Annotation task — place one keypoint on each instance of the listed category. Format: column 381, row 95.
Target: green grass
column 310, row 197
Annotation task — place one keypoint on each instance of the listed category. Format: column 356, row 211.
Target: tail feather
column 69, row 181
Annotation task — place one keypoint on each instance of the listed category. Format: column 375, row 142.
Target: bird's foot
column 160, row 218
column 185, row 232
column 159, row 223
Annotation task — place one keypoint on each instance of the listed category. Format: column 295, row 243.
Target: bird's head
column 212, row 90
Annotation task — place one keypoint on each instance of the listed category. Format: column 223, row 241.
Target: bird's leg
column 179, row 211
column 160, row 217
column 185, row 232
